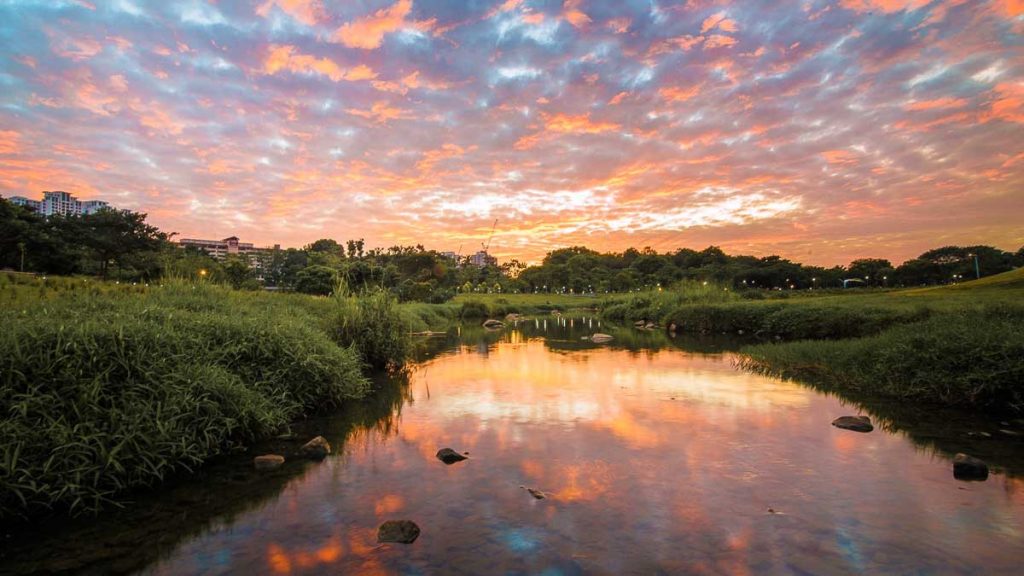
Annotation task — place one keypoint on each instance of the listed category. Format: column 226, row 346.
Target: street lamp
column 977, row 269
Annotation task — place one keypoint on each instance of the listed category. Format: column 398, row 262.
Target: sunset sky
column 821, row 131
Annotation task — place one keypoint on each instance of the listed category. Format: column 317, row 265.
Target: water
column 654, row 459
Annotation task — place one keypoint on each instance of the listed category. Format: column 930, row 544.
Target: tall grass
column 102, row 391
column 971, row 359
column 655, row 306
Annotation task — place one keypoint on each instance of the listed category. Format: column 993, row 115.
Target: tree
column 871, row 270
column 121, row 238
column 317, row 280
column 239, row 274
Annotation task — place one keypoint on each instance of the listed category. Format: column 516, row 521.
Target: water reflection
column 663, row 461
column 655, row 460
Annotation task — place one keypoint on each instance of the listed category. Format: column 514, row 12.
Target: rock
column 535, row 493
column 449, row 456
column 672, row 327
column 1008, row 432
column 316, row 449
column 855, row 423
column 511, row 317
column 740, row 332
column 267, row 462
column 969, row 468
column 651, row 326
column 493, row 324
column 556, row 313
column 598, row 338
column 639, row 323
column 401, row 531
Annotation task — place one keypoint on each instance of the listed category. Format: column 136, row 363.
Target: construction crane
column 489, row 238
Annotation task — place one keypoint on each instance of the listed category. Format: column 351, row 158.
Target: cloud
column 285, row 57
column 308, row 12
column 368, row 32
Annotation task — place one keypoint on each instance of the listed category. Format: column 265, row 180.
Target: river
column 655, row 456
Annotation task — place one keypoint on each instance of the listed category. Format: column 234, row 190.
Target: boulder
column 401, row 531
column 511, row 317
column 969, row 468
column 599, row 338
column 639, row 323
column 493, row 324
column 268, row 462
column 449, row 456
column 651, row 326
column 316, row 449
column 855, row 423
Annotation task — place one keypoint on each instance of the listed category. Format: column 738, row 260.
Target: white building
column 58, row 202
column 482, row 258
column 259, row 258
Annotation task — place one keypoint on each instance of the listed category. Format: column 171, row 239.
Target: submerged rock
column 600, row 338
column 268, row 461
column 449, row 456
column 855, row 423
column 317, row 449
column 969, row 468
column 401, row 531
column 535, row 493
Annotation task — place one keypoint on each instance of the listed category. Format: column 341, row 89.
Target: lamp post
column 977, row 269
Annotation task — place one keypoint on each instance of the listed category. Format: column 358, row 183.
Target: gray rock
column 316, row 449
column 598, row 338
column 401, row 531
column 855, row 423
column 493, row 324
column 268, row 462
column 969, row 468
column 449, row 456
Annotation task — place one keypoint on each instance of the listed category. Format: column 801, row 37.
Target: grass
column 959, row 345
column 104, row 388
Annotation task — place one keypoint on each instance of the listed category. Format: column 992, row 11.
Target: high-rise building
column 482, row 258
column 59, row 202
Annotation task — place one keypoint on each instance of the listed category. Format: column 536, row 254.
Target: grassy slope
column 106, row 387
column 967, row 350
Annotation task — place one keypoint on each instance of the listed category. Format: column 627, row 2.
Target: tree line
column 119, row 244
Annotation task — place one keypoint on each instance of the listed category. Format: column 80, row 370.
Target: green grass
column 960, row 345
column 104, row 388
column 972, row 360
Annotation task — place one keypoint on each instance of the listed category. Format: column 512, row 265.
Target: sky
column 822, row 131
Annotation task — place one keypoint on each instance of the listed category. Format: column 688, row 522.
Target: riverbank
column 109, row 388
column 960, row 346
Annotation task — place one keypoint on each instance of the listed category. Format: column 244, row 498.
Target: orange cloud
column 9, row 142
column 841, row 157
column 1007, row 104
column 581, row 123
column 719, row 21
column 887, row 6
column 307, row 12
column 572, row 13
column 716, row 40
column 381, row 112
column 286, row 57
column 936, row 103
column 432, row 157
column 368, row 33
column 677, row 94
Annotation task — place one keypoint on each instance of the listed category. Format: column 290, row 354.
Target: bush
column 373, row 325
column 102, row 392
column 474, row 309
